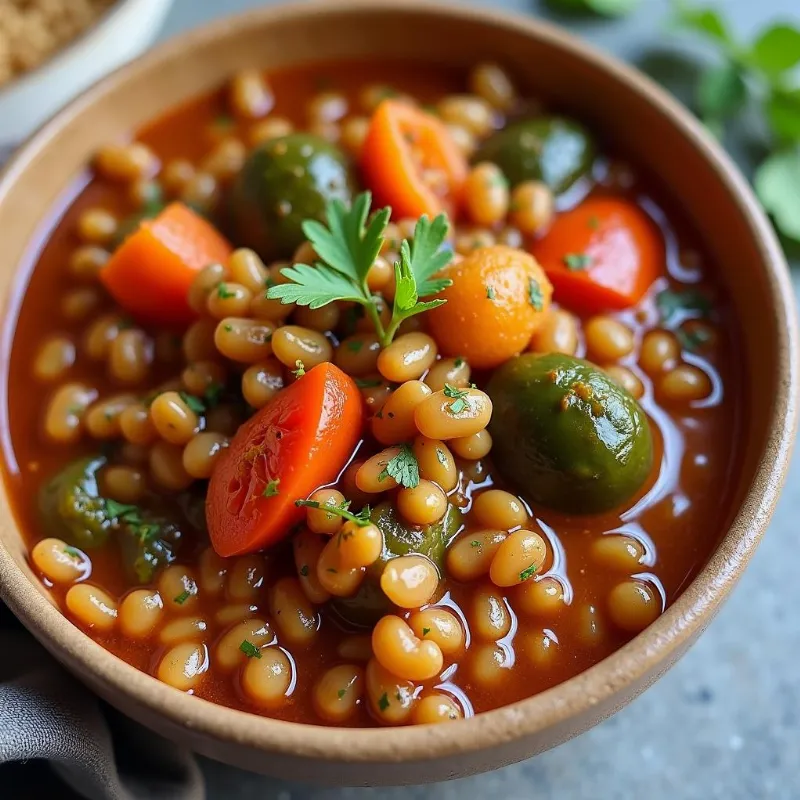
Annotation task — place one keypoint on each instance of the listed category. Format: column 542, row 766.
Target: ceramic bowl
column 118, row 36
column 640, row 120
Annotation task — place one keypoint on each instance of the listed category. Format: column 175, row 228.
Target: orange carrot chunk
column 602, row 255
column 150, row 273
column 411, row 162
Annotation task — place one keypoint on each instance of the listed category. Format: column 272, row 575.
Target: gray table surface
column 725, row 722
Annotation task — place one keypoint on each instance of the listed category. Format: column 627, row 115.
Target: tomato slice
column 295, row 444
column 411, row 162
column 602, row 255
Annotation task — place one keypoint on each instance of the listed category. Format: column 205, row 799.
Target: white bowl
column 121, row 34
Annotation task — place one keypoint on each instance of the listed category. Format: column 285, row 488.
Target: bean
column 354, row 132
column 541, row 647
column 463, row 139
column 204, row 283
column 469, row 241
column 435, row 462
column 65, row 411
column 268, row 680
column 542, row 597
column 79, row 304
column 441, row 626
column 100, row 334
column 659, row 352
column 407, row 357
column 203, row 378
column 590, row 626
column 424, row 504
column 86, row 261
column 489, row 664
column 224, row 419
column 173, row 418
column 244, row 340
column 338, row 692
column 136, row 425
column 329, row 131
column 532, row 207
column 395, row 422
column 372, row 476
column 470, row 556
column 607, row 339
column 166, row 466
column 59, row 562
column 124, row 484
column 511, row 237
column 168, row 348
column 292, row 343
column 434, row 708
column 375, row 392
column 327, row 107
column 185, row 629
column 486, row 194
column 307, row 548
column 228, row 300
column 92, row 607
column 626, row 379
column 144, row 192
column 472, row 448
column 139, row 613
column 496, row 508
column 183, row 666
column 359, row 545
column 410, row 581
column 178, row 588
column 441, row 417
column 618, row 553
column 358, row 355
column 201, row 453
column 248, row 270
column 397, row 649
column 391, row 699
column 175, row 175
column 213, row 572
column 246, row 578
column 332, row 577
column 226, row 160
column 230, row 651
column 469, row 111
column 518, row 558
column 490, row 617
column 381, row 276
column 126, row 162
column 270, row 128
column 325, row 318
column 97, row 226
column 357, row 647
column 296, row 620
column 491, row 82
column 319, row 520
column 130, row 355
column 201, row 192
column 250, row 95
column 633, row 605
column 235, row 613
column 55, row 357
column 454, row 371
column 684, row 384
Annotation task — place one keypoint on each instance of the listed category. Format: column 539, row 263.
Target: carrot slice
column 292, row 446
column 411, row 162
column 602, row 255
column 150, row 273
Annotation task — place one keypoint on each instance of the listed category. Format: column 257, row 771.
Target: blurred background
column 725, row 723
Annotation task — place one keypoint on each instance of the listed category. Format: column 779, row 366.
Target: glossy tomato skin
column 295, row 444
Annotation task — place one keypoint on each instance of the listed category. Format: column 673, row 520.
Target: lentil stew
column 255, row 454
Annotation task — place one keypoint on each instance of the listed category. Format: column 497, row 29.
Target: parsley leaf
column 315, row 286
column 367, row 383
column 119, row 510
column 300, row 369
column 362, row 519
column 535, row 294
column 224, row 293
column 577, row 261
column 403, row 467
column 777, row 183
column 212, row 394
column 182, row 597
column 490, row 292
column 607, row 8
column 271, row 489
column 475, row 543
column 249, row 649
column 428, row 257
column 777, row 49
column 194, row 403
column 383, row 703
column 304, row 570
column 72, row 552
column 425, row 631
column 459, row 404
column 675, row 306
column 527, row 573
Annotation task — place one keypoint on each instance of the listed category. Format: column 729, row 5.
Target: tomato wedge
column 411, row 162
column 603, row 255
column 295, row 444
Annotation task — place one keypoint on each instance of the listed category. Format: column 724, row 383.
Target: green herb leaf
column 72, row 552
column 672, row 305
column 577, row 261
column 383, row 703
column 367, row 383
column 777, row 49
column 428, row 257
column 271, row 489
column 362, row 519
column 535, row 294
column 119, row 510
column 223, row 293
column 527, row 573
column 183, row 597
column 426, row 631
column 304, row 570
column 721, row 92
column 403, row 467
column 490, row 293
column 341, row 693
column 213, row 394
column 405, row 294
column 607, row 8
column 249, row 649
column 300, row 369
column 693, row 339
column 706, row 21
column 777, row 183
column 475, row 543
column 315, row 287
column 782, row 108
column 194, row 403
column 355, row 345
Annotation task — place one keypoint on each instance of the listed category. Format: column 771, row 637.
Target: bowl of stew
column 368, row 368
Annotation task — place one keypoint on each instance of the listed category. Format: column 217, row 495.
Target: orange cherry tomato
column 292, row 446
column 602, row 255
column 411, row 162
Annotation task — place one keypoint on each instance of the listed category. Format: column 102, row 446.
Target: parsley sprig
column 361, row 519
column 348, row 246
column 403, row 467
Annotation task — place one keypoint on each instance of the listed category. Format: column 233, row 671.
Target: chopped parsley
column 673, row 305
column 368, row 383
column 577, row 261
column 693, row 338
column 475, row 543
column 490, row 293
column 271, row 489
column 224, row 293
column 403, row 467
column 182, row 597
column 249, row 649
column 119, row 510
column 195, row 403
column 593, row 222
column 228, row 328
column 535, row 294
column 361, row 519
column 527, row 573
column 341, row 693
column 441, row 457
column 304, row 570
column 212, row 394
column 383, row 703
column 426, row 631
column 457, row 395
column 459, row 362
column 72, row 552
column 355, row 345
column 300, row 369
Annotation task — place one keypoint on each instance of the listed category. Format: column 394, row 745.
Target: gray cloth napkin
column 47, row 715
